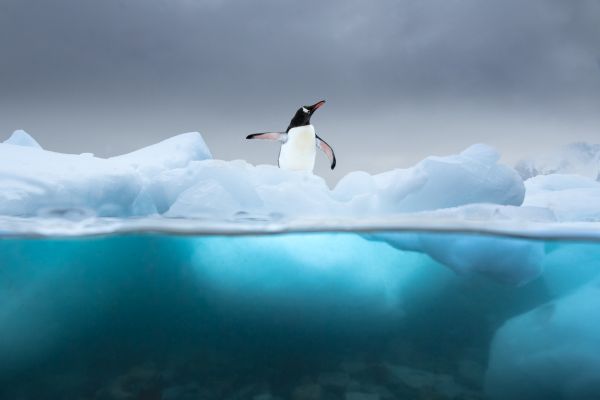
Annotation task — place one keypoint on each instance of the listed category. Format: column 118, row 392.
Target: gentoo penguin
column 299, row 141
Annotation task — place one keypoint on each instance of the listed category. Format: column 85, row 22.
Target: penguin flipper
column 325, row 148
column 280, row 136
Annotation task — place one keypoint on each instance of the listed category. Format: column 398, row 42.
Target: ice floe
column 179, row 178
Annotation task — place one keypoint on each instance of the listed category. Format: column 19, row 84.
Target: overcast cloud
column 403, row 79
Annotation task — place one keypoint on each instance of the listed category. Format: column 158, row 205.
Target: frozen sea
column 166, row 274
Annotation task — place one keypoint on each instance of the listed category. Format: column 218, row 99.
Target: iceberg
column 37, row 182
column 173, row 275
column 473, row 176
column 568, row 268
column 175, row 152
column 550, row 352
column 576, row 158
column 22, row 138
column 196, row 312
column 570, row 197
column 238, row 187
column 505, row 260
column 179, row 178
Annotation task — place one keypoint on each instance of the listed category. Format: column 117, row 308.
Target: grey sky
column 403, row 79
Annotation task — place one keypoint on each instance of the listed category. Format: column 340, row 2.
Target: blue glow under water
column 290, row 316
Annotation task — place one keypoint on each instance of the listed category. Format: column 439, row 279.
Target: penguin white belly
column 298, row 152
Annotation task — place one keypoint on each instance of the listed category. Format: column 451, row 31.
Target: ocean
column 263, row 314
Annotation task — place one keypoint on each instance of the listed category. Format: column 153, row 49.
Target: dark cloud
column 403, row 78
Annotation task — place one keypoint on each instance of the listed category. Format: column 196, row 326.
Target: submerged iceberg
column 506, row 260
column 78, row 313
column 550, row 352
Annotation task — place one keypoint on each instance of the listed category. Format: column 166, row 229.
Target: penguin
column 299, row 142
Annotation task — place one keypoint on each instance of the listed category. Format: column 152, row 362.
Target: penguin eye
column 305, row 110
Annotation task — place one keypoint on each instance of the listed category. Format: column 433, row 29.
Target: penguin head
column 302, row 116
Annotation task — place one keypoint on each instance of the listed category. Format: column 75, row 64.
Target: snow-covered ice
column 179, row 178
column 575, row 158
column 36, row 182
column 22, row 138
column 570, row 197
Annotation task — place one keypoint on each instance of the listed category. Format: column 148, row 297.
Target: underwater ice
column 553, row 346
column 549, row 352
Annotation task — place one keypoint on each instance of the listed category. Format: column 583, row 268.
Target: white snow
column 177, row 177
column 437, row 182
column 37, row 182
column 175, row 152
column 570, row 197
column 238, row 187
column 473, row 176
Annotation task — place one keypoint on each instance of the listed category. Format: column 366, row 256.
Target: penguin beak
column 316, row 106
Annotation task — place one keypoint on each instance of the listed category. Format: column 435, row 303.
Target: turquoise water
column 289, row 316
